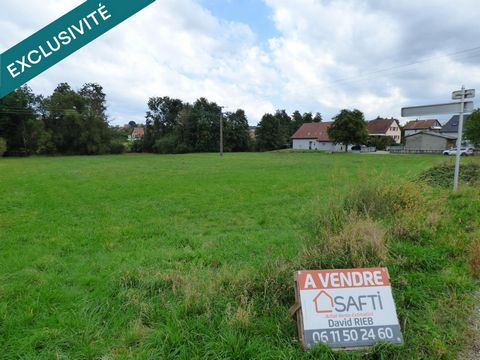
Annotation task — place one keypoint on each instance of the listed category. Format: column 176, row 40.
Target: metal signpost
column 346, row 309
column 463, row 107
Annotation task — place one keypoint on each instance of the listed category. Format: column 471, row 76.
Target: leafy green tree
column 20, row 124
column 286, row 128
column 184, row 130
column 207, row 117
column 349, row 127
column 160, row 119
column 236, row 131
column 95, row 133
column 472, row 128
column 269, row 133
column 307, row 117
column 62, row 120
column 297, row 121
column 317, row 118
column 3, row 146
column 76, row 122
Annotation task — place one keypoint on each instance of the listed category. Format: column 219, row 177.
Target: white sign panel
column 451, row 108
column 347, row 308
column 457, row 95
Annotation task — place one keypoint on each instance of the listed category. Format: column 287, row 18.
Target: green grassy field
column 142, row 256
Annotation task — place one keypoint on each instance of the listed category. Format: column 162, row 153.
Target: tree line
column 173, row 126
column 66, row 122
column 75, row 122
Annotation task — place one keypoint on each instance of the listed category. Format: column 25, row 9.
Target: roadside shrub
column 442, row 175
column 474, row 258
column 3, row 146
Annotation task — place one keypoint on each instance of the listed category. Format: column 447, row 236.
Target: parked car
column 463, row 151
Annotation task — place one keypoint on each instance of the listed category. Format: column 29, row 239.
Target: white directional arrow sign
column 457, row 95
column 439, row 109
column 463, row 107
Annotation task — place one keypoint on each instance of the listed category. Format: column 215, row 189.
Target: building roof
column 452, row 125
column 380, row 126
column 317, row 131
column 431, row 133
column 138, row 131
column 421, row 124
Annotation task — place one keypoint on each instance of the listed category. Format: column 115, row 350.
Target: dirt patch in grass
column 474, row 258
column 472, row 352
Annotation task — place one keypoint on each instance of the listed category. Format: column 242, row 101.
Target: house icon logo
column 323, row 303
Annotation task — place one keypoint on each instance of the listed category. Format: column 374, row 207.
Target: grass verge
column 192, row 256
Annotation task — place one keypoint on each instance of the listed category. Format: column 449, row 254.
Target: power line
column 366, row 76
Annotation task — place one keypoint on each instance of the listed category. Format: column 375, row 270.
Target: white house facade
column 314, row 144
column 314, row 136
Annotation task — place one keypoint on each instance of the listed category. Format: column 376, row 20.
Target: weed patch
column 442, row 175
column 474, row 258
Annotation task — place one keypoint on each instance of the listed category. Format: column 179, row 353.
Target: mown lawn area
column 143, row 256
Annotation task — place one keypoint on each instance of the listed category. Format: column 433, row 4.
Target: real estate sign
column 346, row 308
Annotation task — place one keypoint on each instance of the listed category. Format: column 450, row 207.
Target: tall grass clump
column 359, row 242
column 352, row 232
column 442, row 175
column 383, row 200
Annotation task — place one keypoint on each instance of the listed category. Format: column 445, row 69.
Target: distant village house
column 416, row 126
column 252, row 131
column 451, row 127
column 314, row 136
column 385, row 128
column 137, row 134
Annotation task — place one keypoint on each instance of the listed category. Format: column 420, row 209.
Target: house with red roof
column 385, row 128
column 416, row 126
column 314, row 136
column 137, row 134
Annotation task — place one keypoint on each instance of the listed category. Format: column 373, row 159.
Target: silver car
column 463, row 151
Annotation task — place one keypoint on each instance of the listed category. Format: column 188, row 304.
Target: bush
column 137, row 146
column 183, row 149
column 381, row 143
column 165, row 145
column 3, row 146
column 442, row 175
column 117, row 148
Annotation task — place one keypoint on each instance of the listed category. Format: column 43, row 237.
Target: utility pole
column 221, row 131
column 459, row 141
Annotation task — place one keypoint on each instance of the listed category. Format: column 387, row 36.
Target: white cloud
column 336, row 49
column 327, row 55
column 174, row 47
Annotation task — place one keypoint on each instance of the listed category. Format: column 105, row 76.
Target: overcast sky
column 262, row 55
